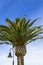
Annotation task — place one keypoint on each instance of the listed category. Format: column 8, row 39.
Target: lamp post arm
column 13, row 54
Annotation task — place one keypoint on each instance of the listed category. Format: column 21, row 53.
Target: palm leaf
column 19, row 32
column 10, row 23
column 3, row 42
column 29, row 37
column 2, row 27
column 35, row 39
column 3, row 38
column 6, row 31
column 27, row 23
column 33, row 22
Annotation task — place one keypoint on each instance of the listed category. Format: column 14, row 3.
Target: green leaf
column 1, row 43
column 27, row 22
column 33, row 22
column 5, row 42
column 35, row 39
column 19, row 32
column 10, row 23
column 3, row 38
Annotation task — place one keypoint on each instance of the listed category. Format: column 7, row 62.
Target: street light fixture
column 10, row 56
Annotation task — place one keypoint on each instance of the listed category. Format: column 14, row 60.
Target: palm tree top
column 20, row 32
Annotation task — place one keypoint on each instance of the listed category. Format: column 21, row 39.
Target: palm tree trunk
column 20, row 52
column 20, row 60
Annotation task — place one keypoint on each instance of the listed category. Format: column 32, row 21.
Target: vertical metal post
column 10, row 56
column 13, row 56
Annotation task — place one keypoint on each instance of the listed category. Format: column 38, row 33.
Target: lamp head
column 9, row 56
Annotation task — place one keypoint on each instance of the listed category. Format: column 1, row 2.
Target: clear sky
column 18, row 8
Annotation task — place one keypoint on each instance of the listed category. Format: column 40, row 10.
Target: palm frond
column 4, row 43
column 1, row 43
column 32, row 22
column 3, row 38
column 35, row 39
column 32, row 35
column 2, row 27
column 6, row 31
column 21, row 31
column 10, row 23
column 17, row 20
column 27, row 22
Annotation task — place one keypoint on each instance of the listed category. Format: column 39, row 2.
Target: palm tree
column 19, row 34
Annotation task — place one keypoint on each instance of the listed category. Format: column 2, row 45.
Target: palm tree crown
column 20, row 32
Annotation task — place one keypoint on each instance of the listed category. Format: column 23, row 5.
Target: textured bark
column 20, row 52
column 20, row 60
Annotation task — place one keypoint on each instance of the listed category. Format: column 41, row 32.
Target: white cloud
column 34, row 56
column 4, row 60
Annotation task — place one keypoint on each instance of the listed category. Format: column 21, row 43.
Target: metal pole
column 10, row 54
column 13, row 56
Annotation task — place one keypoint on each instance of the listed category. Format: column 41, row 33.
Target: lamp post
column 10, row 56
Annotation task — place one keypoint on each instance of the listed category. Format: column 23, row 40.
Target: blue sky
column 18, row 8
